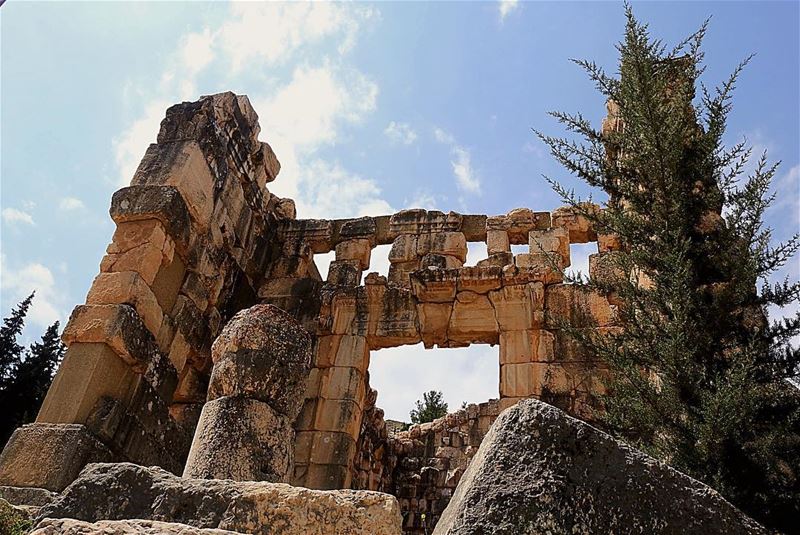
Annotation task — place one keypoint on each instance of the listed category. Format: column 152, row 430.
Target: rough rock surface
column 26, row 495
column 126, row 491
column 541, row 471
column 68, row 526
column 261, row 365
column 241, row 439
column 263, row 354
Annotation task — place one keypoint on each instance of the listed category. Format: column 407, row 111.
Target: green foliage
column 430, row 408
column 10, row 351
column 12, row 521
column 25, row 375
column 700, row 377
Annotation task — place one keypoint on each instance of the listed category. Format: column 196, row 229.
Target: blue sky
column 371, row 107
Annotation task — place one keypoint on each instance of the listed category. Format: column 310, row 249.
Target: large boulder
column 541, row 471
column 124, row 491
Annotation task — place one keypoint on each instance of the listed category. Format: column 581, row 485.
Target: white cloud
column 462, row 169
column 299, row 114
column 466, row 179
column 70, row 203
column 130, row 145
column 197, row 50
column 13, row 215
column 326, row 190
column 787, row 190
column 400, row 133
column 270, row 32
column 18, row 283
column 443, row 137
column 505, row 7
column 422, row 199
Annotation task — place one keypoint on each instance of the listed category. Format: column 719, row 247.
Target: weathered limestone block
column 69, row 526
column 566, row 302
column 439, row 261
column 473, row 320
column 404, row 249
column 517, row 347
column 580, row 228
column 522, row 481
column 497, row 260
column 555, row 240
column 519, row 380
column 183, row 165
column 49, row 456
column 443, row 243
column 434, row 285
column 497, row 242
column 396, row 315
column 162, row 203
column 519, row 307
column 317, row 233
column 400, row 272
column 474, row 227
column 418, row 221
column 518, row 222
column 342, row 415
column 286, row 208
column 125, row 491
column 241, row 439
column 608, row 242
column 342, row 383
column 118, row 326
column 323, row 476
column 344, row 273
column 346, row 351
column 357, row 250
column 89, row 372
column 127, row 287
column 434, row 319
column 360, row 228
column 262, row 354
column 480, row 279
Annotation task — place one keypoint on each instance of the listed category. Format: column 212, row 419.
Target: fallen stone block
column 124, row 491
column 541, row 471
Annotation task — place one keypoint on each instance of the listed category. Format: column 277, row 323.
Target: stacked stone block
column 261, row 364
column 195, row 237
column 432, row 457
column 429, row 296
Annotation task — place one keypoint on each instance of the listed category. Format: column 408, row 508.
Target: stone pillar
column 261, row 365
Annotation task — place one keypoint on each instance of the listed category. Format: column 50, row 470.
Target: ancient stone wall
column 195, row 239
column 514, row 300
column 199, row 238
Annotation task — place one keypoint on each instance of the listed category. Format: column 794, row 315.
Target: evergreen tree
column 34, row 374
column 27, row 374
column 10, row 350
column 430, row 408
column 698, row 376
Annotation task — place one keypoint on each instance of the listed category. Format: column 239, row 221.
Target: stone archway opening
column 401, row 375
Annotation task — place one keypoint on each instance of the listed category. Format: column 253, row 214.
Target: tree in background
column 10, row 351
column 25, row 375
column 699, row 377
column 430, row 408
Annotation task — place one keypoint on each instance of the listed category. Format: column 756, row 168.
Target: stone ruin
column 210, row 346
